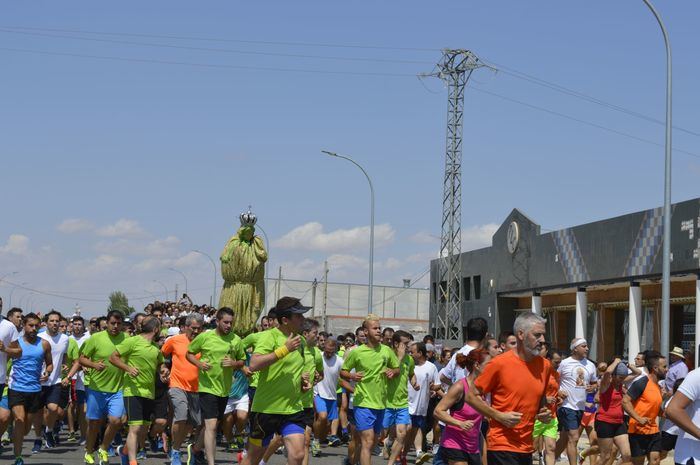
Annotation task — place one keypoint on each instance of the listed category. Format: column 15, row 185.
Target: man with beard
column 221, row 353
column 514, row 405
column 642, row 403
column 9, row 342
column 79, row 336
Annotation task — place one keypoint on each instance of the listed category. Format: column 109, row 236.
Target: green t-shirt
column 397, row 387
column 72, row 354
column 217, row 380
column 99, row 347
column 372, row 362
column 279, row 386
column 250, row 341
column 313, row 363
column 145, row 356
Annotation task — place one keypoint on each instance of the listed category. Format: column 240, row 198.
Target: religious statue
column 243, row 269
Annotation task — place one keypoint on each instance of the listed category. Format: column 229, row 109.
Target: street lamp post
column 666, row 260
column 165, row 288
column 371, row 224
column 213, row 264
column 183, row 276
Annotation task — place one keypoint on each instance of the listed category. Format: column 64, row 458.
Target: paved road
column 72, row 454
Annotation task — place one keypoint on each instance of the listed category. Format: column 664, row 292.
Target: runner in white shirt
column 684, row 411
column 53, row 397
column 9, row 345
column 476, row 332
column 326, row 400
column 428, row 381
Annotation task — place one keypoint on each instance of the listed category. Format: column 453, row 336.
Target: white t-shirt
column 426, row 376
column 575, row 375
column 79, row 377
column 8, row 335
column 327, row 387
column 688, row 445
column 59, row 348
column 452, row 371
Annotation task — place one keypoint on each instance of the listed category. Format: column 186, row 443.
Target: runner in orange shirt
column 184, row 384
column 517, row 381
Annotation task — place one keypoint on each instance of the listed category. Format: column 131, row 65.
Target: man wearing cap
column 677, row 370
column 277, row 406
column 577, row 378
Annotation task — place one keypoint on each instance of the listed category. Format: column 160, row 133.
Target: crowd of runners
column 181, row 382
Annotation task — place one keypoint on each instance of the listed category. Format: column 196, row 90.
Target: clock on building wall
column 513, row 237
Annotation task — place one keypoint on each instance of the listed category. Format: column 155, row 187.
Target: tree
column 119, row 302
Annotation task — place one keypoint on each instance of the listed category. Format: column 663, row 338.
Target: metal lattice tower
column 455, row 68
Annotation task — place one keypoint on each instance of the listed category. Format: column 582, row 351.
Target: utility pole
column 325, row 295
column 279, row 284
column 314, row 285
column 455, row 68
column 175, row 292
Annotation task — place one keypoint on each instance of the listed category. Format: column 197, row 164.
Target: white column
column 537, row 303
column 697, row 321
column 634, row 331
column 581, row 313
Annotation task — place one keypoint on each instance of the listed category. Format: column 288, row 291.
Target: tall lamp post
column 371, row 224
column 666, row 269
column 183, row 276
column 213, row 264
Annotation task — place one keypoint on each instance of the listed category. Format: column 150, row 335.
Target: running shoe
column 82, row 441
column 175, row 458
column 377, row 450
column 239, row 442
column 200, row 458
column 5, row 440
column 423, row 457
column 103, row 456
column 123, row 456
column 581, row 458
column 315, row 448
column 231, row 447
column 141, row 454
column 49, row 440
column 72, row 437
column 37, row 446
column 334, row 441
column 19, row 461
column 89, row 459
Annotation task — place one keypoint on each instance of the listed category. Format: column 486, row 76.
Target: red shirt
column 610, row 405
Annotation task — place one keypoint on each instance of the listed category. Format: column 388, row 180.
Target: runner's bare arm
column 13, row 350
column 117, row 361
column 87, row 363
column 629, row 409
column 454, row 395
column 508, row 419
column 676, row 412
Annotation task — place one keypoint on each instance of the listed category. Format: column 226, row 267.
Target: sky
column 133, row 133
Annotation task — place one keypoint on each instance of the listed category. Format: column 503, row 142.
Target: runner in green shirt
column 313, row 368
column 221, row 353
column 277, row 407
column 104, row 396
column 396, row 417
column 374, row 363
column 140, row 358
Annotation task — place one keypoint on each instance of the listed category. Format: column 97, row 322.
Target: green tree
column 118, row 301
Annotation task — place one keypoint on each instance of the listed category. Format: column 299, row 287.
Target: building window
column 467, row 286
column 477, row 287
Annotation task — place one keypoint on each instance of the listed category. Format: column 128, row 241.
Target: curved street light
column 213, row 264
column 183, row 276
column 666, row 259
column 371, row 224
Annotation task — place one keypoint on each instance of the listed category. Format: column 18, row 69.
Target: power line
column 218, row 50
column 239, row 41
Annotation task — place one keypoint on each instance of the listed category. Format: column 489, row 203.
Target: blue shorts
column 327, row 405
column 368, row 418
column 396, row 416
column 418, row 421
column 4, row 403
column 569, row 419
column 103, row 404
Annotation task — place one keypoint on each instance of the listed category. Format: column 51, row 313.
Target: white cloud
column 424, row 237
column 89, row 268
column 188, row 260
column 311, row 236
column 74, row 225
column 17, row 244
column 476, row 237
column 122, row 228
column 166, row 247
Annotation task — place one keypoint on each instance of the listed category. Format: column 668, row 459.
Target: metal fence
column 342, row 306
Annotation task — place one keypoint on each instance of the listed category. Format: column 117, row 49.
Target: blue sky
column 149, row 159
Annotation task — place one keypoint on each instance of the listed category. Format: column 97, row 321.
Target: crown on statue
column 248, row 218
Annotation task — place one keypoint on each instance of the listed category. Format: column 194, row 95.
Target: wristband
column 281, row 352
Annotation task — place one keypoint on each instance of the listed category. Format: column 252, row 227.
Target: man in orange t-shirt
column 642, row 403
column 184, row 383
column 516, row 380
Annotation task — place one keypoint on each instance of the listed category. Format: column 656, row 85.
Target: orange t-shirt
column 646, row 400
column 515, row 386
column 183, row 374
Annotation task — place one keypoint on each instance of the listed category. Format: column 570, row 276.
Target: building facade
column 600, row 280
